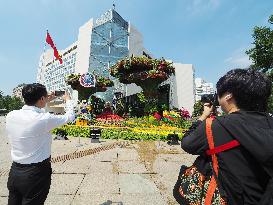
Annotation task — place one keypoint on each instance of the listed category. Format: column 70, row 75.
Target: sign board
column 88, row 80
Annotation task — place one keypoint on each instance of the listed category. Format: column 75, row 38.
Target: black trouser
column 29, row 184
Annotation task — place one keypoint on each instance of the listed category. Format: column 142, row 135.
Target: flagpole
column 41, row 66
column 44, row 48
column 43, row 59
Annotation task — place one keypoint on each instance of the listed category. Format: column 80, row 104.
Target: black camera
column 210, row 98
column 59, row 93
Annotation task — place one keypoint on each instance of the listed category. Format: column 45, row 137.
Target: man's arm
column 195, row 141
column 54, row 121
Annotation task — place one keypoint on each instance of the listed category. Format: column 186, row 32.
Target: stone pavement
column 140, row 173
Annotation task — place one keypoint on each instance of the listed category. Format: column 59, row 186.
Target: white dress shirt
column 29, row 134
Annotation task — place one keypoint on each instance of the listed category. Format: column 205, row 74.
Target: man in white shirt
column 29, row 134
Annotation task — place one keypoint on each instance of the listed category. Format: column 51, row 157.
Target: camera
column 59, row 93
column 210, row 98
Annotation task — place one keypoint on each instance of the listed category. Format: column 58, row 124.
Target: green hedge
column 122, row 133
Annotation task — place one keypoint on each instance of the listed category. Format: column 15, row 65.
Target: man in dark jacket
column 244, row 171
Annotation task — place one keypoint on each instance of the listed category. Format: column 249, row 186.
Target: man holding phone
column 29, row 134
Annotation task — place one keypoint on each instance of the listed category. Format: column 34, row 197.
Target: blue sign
column 88, row 80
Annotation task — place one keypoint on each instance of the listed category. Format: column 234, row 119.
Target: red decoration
column 107, row 116
column 157, row 116
column 51, row 43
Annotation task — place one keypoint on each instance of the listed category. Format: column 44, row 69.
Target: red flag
column 51, row 43
column 49, row 40
column 57, row 56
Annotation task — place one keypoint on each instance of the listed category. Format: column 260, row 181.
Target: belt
column 32, row 164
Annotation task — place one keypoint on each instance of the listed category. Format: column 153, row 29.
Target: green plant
column 146, row 73
column 122, row 133
column 197, row 109
column 86, row 92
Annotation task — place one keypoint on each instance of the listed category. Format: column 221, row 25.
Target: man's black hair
column 250, row 88
column 33, row 92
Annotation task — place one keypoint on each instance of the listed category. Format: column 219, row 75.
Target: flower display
column 84, row 92
column 184, row 113
column 145, row 72
column 136, row 69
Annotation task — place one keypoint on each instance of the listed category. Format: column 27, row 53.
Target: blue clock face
column 87, row 80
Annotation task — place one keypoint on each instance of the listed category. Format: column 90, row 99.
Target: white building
column 100, row 44
column 202, row 87
column 17, row 91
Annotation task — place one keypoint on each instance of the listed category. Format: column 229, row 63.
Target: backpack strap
column 224, row 147
column 211, row 144
column 212, row 184
column 212, row 152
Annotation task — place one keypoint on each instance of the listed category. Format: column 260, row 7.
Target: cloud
column 201, row 6
column 238, row 59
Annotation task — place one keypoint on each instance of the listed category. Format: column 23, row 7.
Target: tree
column 12, row 103
column 145, row 72
column 197, row 109
column 1, row 100
column 262, row 53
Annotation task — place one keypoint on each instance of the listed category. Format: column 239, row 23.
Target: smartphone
column 59, row 93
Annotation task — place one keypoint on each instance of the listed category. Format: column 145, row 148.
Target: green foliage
column 151, row 106
column 197, row 109
column 145, row 72
column 270, row 20
column 164, row 107
column 147, row 121
column 97, row 104
column 84, row 92
column 121, row 133
column 10, row 103
column 120, row 107
column 141, row 97
column 262, row 53
column 141, row 68
column 128, row 135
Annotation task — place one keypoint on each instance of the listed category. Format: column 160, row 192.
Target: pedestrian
column 244, row 171
column 29, row 135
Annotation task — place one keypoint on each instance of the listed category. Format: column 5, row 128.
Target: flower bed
column 119, row 133
column 143, row 128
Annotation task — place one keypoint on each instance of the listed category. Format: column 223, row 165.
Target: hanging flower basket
column 145, row 72
column 136, row 69
column 85, row 92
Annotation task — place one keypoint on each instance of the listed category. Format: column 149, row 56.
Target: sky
column 213, row 35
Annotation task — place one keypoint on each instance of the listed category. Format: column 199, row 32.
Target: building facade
column 17, row 91
column 100, row 44
column 202, row 87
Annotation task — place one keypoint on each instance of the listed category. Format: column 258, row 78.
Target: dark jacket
column 242, row 169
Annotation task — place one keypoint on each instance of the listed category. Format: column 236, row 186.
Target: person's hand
column 66, row 96
column 51, row 96
column 208, row 109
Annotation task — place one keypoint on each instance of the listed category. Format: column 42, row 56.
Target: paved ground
column 140, row 173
